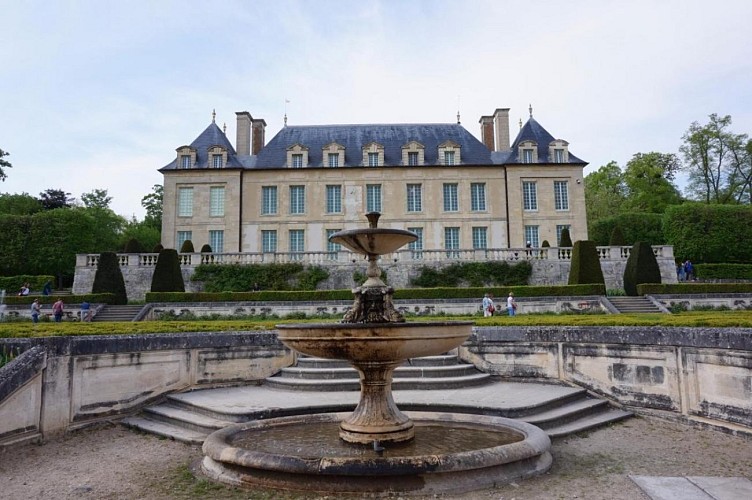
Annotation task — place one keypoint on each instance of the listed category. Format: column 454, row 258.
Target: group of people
column 685, row 271
column 489, row 308
column 58, row 310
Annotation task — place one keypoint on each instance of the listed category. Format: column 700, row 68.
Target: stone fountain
column 374, row 449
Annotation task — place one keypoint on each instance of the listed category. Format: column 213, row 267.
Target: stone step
column 299, row 373
column 588, row 422
column 183, row 417
column 117, row 313
column 164, row 429
column 397, row 384
column 441, row 360
column 566, row 413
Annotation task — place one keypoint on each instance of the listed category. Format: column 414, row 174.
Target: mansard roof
column 533, row 131
column 211, row 136
column 353, row 137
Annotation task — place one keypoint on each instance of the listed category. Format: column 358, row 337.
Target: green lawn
column 686, row 319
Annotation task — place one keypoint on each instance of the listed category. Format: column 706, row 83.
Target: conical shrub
column 586, row 266
column 167, row 275
column 187, row 247
column 109, row 278
column 157, row 248
column 206, row 248
column 545, row 244
column 641, row 267
column 134, row 246
column 617, row 238
column 566, row 240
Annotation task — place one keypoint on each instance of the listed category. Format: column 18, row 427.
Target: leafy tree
column 106, row 236
column 648, row 181
column 96, row 199
column 109, row 278
column 141, row 231
column 152, row 202
column 13, row 244
column 4, row 164
column 717, row 161
column 641, row 267
column 19, row 204
column 55, row 198
column 167, row 276
column 605, row 192
column 586, row 266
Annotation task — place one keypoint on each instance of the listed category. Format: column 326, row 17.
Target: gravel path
column 111, row 462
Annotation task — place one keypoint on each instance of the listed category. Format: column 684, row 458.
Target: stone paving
column 695, row 487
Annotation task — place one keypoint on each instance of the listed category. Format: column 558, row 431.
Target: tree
column 605, row 192
column 641, row 267
column 648, row 182
column 4, row 164
column 152, row 202
column 206, row 248
column 109, row 278
column 19, row 204
column 141, row 231
column 586, row 266
column 55, row 198
column 187, row 247
column 566, row 239
column 167, row 275
column 715, row 160
column 617, row 238
column 96, row 199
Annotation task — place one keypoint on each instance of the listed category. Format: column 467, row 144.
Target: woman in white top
column 511, row 304
column 488, row 305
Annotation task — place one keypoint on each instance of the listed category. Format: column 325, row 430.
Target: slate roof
column 533, row 131
column 211, row 136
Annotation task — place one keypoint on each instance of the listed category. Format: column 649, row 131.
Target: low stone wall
column 700, row 374
column 60, row 383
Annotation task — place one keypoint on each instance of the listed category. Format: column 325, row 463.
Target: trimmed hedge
column 692, row 288
column 404, row 294
column 641, row 267
column 109, row 278
column 12, row 284
column 586, row 266
column 710, row 233
column 634, row 227
column 187, row 247
column 724, row 271
column 167, row 277
column 566, row 239
column 240, row 278
column 94, row 298
column 474, row 274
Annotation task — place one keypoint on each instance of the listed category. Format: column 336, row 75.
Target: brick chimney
column 259, row 135
column 487, row 131
column 243, row 133
column 501, row 123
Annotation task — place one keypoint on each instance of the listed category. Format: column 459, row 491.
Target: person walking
column 511, row 304
column 488, row 305
column 36, row 309
column 85, row 311
column 57, row 310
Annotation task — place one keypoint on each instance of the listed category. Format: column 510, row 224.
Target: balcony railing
column 345, row 256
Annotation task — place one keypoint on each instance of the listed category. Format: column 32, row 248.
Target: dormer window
column 449, row 153
column 186, row 157
column 558, row 151
column 528, row 152
column 185, row 161
column 333, row 155
column 297, row 156
column 217, row 157
column 413, row 154
column 217, row 161
column 373, row 154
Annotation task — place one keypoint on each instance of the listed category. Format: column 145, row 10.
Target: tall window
column 333, row 159
column 480, row 239
column 332, row 248
column 268, row 200
column 412, row 158
column 448, row 157
column 529, row 196
column 183, row 236
column 268, row 241
column 217, row 241
column 478, row 197
column 297, row 200
column 185, row 202
column 333, row 199
column 373, row 159
column 527, row 156
column 451, row 202
column 185, row 161
column 373, row 198
column 414, row 198
column 531, row 235
column 559, row 229
column 297, row 160
column 416, row 246
column 561, row 195
column 216, row 202
column 217, row 161
column 297, row 242
column 452, row 242
column 558, row 156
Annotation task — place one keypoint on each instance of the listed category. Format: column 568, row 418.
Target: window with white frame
column 558, row 156
column 373, row 198
column 268, row 200
column 412, row 158
column 331, row 247
column 414, row 198
column 185, row 161
column 373, row 159
column 297, row 241
column 451, row 201
column 185, row 202
column 416, row 246
column 184, row 236
column 531, row 235
column 297, row 160
column 297, row 200
column 478, row 197
column 268, row 241
column 216, row 202
column 561, row 195
column 559, row 229
column 217, row 241
column 529, row 195
column 527, row 155
column 448, row 157
column 480, row 239
column 217, row 161
column 452, row 242
column 333, row 199
column 333, row 159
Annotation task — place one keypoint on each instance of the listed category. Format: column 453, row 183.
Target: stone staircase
column 429, row 372
column 626, row 305
column 117, row 313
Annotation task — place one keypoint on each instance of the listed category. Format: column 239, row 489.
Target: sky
column 98, row 95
